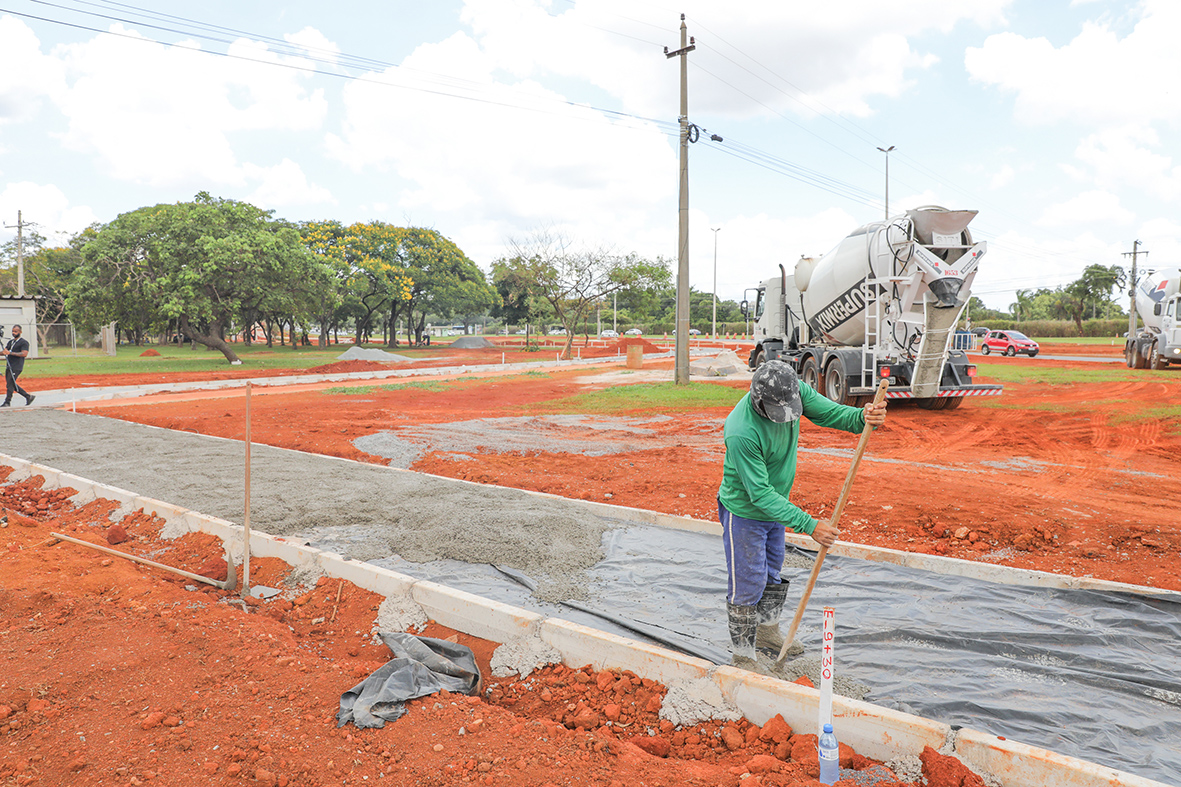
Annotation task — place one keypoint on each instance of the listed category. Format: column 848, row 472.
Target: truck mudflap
column 904, row 392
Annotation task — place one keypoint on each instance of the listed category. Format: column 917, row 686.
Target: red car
column 1009, row 343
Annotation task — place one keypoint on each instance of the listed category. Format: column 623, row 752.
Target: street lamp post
column 887, row 152
column 716, row 230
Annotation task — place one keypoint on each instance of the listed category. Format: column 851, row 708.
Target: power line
column 666, row 126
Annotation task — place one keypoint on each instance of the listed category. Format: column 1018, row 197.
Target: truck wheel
column 984, row 349
column 1130, row 355
column 836, row 385
column 1010, row 351
column 1141, row 358
column 810, row 373
column 760, row 358
column 952, row 402
column 1156, row 360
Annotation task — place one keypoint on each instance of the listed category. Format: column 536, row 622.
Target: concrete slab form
column 874, row 731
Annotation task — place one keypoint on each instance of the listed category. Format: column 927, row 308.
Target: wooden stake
column 246, row 517
column 339, row 588
column 836, row 516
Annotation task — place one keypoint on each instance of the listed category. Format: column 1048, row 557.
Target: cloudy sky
column 489, row 120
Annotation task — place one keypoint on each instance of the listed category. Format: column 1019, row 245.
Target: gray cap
column 775, row 392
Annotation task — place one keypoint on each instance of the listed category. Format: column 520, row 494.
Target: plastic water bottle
column 830, row 756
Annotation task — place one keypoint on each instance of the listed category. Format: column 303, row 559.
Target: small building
column 15, row 310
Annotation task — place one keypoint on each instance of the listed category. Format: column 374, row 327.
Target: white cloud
column 162, row 115
column 283, row 185
column 315, row 44
column 1098, row 77
column 26, row 75
column 840, row 59
column 1088, row 207
column 1125, row 157
column 1001, row 178
column 46, row 207
column 483, row 163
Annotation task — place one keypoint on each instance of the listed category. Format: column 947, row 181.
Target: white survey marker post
column 827, row 665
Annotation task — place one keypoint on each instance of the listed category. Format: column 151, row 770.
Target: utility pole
column 20, row 254
column 887, row 152
column 716, row 230
column 1134, row 253
column 682, row 343
column 615, row 311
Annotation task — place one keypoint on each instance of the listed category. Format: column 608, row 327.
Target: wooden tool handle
column 879, row 396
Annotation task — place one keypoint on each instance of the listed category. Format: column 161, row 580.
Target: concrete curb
column 876, row 732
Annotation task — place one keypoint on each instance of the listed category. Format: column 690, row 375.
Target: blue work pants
column 754, row 556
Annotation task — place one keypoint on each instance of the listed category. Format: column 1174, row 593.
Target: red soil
column 343, row 367
column 150, row 354
column 114, row 673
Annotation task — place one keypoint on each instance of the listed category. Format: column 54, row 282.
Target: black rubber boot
column 770, row 607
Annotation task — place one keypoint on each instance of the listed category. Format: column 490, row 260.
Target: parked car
column 980, row 331
column 557, row 331
column 1009, row 343
column 633, row 332
column 694, row 332
column 608, row 334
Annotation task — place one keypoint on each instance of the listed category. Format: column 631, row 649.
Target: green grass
column 356, row 390
column 647, row 397
column 128, row 360
column 1091, row 340
column 1051, row 375
column 1169, row 414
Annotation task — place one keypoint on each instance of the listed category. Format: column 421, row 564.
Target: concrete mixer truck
column 1158, row 302
column 883, row 303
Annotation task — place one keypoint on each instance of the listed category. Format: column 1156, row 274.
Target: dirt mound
column 356, row 353
column 471, row 343
column 149, row 354
column 341, row 367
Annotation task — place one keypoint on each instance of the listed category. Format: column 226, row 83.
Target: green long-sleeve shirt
column 760, row 463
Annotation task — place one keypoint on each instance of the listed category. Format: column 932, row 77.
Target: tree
column 380, row 279
column 573, row 279
column 201, row 263
column 444, row 280
column 1021, row 309
column 519, row 295
column 328, row 240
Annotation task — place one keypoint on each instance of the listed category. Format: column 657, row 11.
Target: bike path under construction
column 1087, row 673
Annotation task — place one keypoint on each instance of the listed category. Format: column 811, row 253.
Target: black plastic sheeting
column 421, row 666
column 1087, row 674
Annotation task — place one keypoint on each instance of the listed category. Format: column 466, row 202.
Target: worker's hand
column 875, row 414
column 825, row 534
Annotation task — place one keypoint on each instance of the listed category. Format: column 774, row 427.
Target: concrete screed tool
column 836, row 516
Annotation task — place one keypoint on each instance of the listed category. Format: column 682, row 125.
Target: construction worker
column 761, row 435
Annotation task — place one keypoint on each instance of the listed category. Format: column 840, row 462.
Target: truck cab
column 1158, row 343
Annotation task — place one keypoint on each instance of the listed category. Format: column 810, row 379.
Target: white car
column 633, row 332
column 608, row 334
column 557, row 332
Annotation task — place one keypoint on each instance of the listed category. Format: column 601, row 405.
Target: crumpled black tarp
column 421, row 666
